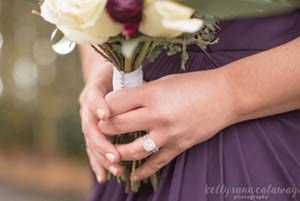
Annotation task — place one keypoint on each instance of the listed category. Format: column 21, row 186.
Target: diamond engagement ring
column 149, row 144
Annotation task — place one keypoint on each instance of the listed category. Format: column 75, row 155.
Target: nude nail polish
column 113, row 170
column 100, row 113
column 99, row 179
column 110, row 157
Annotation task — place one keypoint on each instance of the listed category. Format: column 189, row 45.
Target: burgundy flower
column 127, row 12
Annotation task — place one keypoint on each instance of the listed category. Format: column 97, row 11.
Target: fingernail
column 110, row 157
column 113, row 170
column 100, row 113
column 99, row 179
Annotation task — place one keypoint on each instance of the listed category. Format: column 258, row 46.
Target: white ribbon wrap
column 127, row 80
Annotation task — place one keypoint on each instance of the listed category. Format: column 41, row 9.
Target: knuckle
column 154, row 166
column 135, row 153
column 81, row 98
column 84, row 127
column 103, row 127
column 152, row 92
column 124, row 154
column 159, row 164
column 167, row 115
column 93, row 95
column 101, row 89
column 161, row 116
column 180, row 146
column 85, row 124
column 109, row 97
column 174, row 132
column 98, row 147
column 90, row 98
column 165, row 119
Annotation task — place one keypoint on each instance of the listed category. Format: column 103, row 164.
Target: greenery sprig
column 151, row 48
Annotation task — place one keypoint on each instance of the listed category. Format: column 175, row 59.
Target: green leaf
column 154, row 54
column 229, row 9
column 135, row 186
column 154, row 181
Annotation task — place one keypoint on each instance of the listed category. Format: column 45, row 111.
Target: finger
column 115, row 169
column 155, row 163
column 131, row 121
column 124, row 100
column 96, row 167
column 97, row 104
column 96, row 139
column 135, row 150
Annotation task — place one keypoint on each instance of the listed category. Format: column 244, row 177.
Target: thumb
column 98, row 105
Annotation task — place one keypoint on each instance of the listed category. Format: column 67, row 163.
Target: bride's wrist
column 240, row 108
column 101, row 76
column 227, row 98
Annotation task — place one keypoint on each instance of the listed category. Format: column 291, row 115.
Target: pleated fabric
column 260, row 153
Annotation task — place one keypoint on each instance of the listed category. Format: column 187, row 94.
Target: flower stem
column 142, row 55
column 102, row 54
column 128, row 65
column 108, row 50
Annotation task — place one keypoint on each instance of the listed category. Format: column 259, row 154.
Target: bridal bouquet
column 125, row 33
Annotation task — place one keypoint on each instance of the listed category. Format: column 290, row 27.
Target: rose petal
column 81, row 21
column 186, row 26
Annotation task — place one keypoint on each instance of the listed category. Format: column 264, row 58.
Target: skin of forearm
column 265, row 84
column 94, row 70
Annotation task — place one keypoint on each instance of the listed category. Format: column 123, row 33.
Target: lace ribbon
column 127, row 80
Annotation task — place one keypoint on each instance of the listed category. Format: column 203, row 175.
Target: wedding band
column 149, row 144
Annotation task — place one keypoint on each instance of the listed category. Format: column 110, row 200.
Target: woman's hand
column 102, row 154
column 178, row 112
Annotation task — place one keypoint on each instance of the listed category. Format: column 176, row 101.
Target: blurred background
column 42, row 154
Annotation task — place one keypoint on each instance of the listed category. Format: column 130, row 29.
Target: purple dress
column 253, row 160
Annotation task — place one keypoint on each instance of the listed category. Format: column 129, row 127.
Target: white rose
column 82, row 21
column 165, row 18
